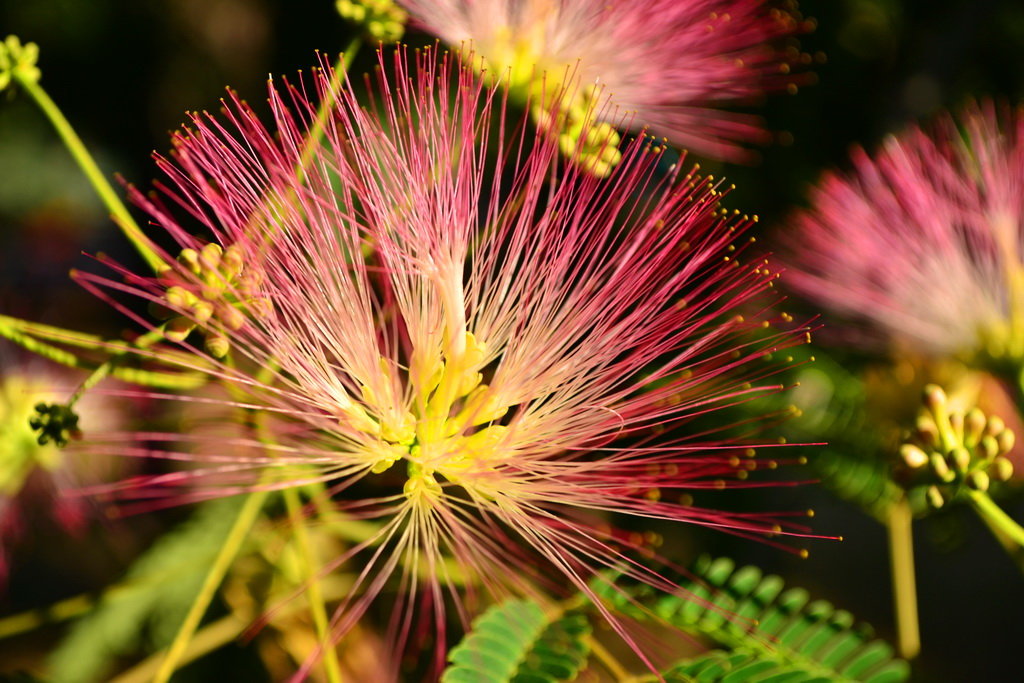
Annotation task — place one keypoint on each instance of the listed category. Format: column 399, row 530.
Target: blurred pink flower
column 481, row 355
column 663, row 64
column 924, row 239
column 39, row 480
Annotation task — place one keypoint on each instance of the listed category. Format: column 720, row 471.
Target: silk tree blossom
column 669, row 65
column 923, row 240
column 481, row 354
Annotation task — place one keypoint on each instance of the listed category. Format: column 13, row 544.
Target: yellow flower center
column 559, row 103
column 444, row 427
column 1005, row 339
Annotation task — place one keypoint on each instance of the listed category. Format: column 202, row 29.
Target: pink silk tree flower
column 481, row 353
column 668, row 66
column 923, row 240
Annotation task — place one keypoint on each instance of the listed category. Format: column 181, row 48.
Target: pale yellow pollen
column 1007, row 338
column 442, row 426
column 421, row 486
column 517, row 56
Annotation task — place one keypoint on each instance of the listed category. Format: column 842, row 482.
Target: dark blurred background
column 125, row 71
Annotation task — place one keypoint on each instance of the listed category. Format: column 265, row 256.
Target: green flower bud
column 935, row 398
column 382, row 20
column 209, row 256
column 231, row 262
column 960, row 458
column 179, row 297
column 217, row 345
column 974, row 425
column 927, row 433
column 988, row 448
column 190, row 259
column 177, row 329
column 202, row 311
column 1001, row 469
column 941, row 468
column 978, row 480
column 217, row 298
column 231, row 317
column 956, row 423
column 913, row 456
column 1006, row 440
column 55, row 422
column 259, row 308
column 995, row 425
column 18, row 62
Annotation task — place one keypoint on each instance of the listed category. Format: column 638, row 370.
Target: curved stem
column 994, row 515
column 97, row 375
column 312, row 143
column 904, row 585
column 313, row 592
column 208, row 639
column 611, row 664
column 211, row 637
column 232, row 544
column 96, row 178
column 57, row 612
column 326, row 108
column 26, row 335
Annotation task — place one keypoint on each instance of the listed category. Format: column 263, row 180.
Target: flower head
column 461, row 344
column 924, row 239
column 666, row 64
column 382, row 20
column 950, row 449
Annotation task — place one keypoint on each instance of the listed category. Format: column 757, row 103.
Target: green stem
column 274, row 202
column 59, row 334
column 99, row 182
column 312, row 143
column 72, row 607
column 904, row 586
column 57, row 355
column 97, row 375
column 232, row 544
column 92, row 342
column 23, row 334
column 994, row 515
column 313, row 592
column 1015, row 551
column 33, row 619
column 326, row 107
column 611, row 664
column 208, row 639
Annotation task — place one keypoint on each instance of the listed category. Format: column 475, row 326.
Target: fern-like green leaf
column 858, row 478
column 516, row 642
column 833, row 402
column 153, row 599
column 718, row 666
column 771, row 633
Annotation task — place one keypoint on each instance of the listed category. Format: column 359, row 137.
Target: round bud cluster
column 593, row 144
column 215, row 292
column 382, row 20
column 949, row 449
column 55, row 422
column 17, row 61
